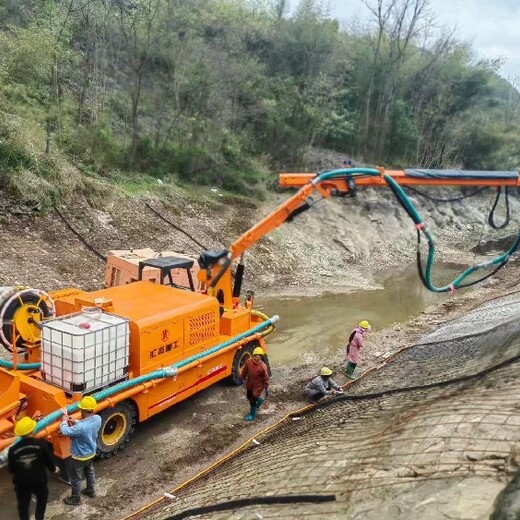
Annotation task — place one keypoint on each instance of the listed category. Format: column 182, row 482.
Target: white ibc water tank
column 85, row 351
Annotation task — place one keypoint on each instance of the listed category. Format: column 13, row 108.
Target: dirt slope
column 337, row 245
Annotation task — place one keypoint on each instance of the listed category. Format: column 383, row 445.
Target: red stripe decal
column 198, row 382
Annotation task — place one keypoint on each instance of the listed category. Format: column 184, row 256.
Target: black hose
column 491, row 217
column 454, row 199
column 176, row 227
column 403, row 389
column 80, row 238
column 253, row 501
column 300, row 209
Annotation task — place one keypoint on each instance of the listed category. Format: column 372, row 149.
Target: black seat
column 209, row 258
column 165, row 265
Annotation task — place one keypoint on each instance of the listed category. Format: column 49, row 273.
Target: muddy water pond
column 313, row 329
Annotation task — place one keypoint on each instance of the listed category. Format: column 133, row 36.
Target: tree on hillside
column 93, row 23
column 138, row 23
column 215, row 91
column 399, row 24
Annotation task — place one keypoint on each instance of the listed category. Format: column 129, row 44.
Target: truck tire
column 241, row 356
column 117, row 425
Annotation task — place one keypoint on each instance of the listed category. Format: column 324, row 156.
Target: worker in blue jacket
column 83, row 434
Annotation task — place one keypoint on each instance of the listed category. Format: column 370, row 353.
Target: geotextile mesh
column 434, row 431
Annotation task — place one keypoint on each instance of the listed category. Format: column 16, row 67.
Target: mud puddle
column 312, row 329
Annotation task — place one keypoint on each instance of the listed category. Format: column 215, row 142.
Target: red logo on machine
column 165, row 334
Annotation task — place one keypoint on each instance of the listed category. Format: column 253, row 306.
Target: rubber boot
column 251, row 415
column 259, row 402
column 350, row 370
column 72, row 501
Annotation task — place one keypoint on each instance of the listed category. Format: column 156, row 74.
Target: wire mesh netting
column 434, row 433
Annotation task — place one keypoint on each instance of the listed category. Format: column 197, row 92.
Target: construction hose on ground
column 162, row 373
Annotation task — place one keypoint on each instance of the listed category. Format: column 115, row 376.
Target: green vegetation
column 217, row 92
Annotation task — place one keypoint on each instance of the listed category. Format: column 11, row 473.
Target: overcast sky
column 492, row 26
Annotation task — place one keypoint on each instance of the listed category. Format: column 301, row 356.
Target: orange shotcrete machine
column 160, row 331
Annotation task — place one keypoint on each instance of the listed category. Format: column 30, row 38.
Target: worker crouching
column 322, row 385
column 356, row 342
column 83, row 434
column 256, row 376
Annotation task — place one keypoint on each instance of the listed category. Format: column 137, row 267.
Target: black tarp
column 459, row 174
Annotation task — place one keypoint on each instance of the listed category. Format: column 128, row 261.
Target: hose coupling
column 170, row 372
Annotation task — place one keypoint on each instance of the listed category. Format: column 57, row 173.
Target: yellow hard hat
column 326, row 371
column 88, row 403
column 364, row 324
column 259, row 351
column 24, row 426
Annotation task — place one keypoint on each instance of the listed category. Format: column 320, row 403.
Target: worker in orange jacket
column 256, row 376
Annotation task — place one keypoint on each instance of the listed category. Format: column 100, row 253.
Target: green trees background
column 219, row 91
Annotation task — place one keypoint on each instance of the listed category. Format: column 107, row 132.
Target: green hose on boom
column 497, row 262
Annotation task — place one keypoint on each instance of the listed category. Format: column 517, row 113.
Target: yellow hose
column 259, row 314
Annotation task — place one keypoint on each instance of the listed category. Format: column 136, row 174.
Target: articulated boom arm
column 341, row 181
column 407, row 178
column 308, row 183
column 296, row 204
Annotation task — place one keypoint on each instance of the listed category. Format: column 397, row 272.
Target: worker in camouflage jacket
column 256, row 376
column 322, row 385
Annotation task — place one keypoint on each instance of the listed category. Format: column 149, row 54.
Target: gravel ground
column 392, row 448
